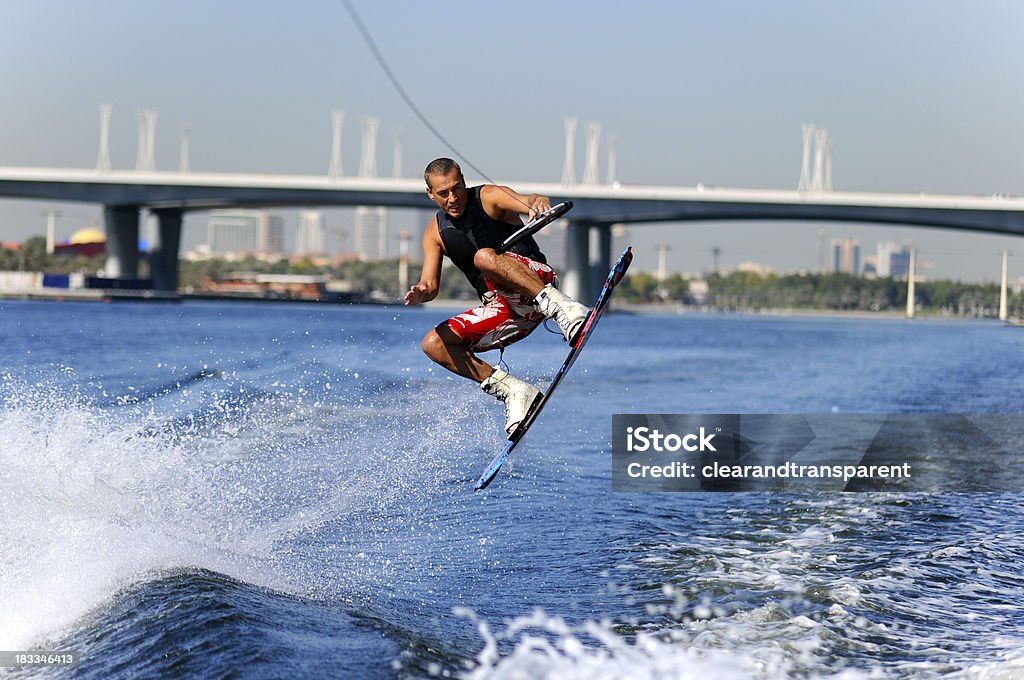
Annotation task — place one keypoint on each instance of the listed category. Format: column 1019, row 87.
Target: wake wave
column 96, row 499
column 134, row 396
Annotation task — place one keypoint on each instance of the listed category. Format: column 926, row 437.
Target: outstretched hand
column 417, row 294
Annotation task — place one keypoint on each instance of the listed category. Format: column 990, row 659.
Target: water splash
column 100, row 494
column 544, row 646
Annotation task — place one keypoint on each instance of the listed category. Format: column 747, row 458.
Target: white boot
column 567, row 313
column 518, row 396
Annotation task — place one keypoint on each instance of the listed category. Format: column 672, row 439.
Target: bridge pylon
column 569, row 167
column 183, row 150
column 103, row 162
column 816, row 167
column 145, row 159
column 337, row 120
column 611, row 177
column 590, row 175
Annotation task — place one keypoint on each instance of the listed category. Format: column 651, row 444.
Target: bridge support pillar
column 576, row 273
column 122, row 226
column 586, row 267
column 163, row 261
column 601, row 262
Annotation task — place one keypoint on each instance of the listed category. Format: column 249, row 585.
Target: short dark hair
column 440, row 166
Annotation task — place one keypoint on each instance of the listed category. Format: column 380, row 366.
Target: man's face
column 449, row 192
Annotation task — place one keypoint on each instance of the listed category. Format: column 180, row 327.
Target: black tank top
column 474, row 230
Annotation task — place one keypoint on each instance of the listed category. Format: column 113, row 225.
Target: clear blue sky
column 917, row 96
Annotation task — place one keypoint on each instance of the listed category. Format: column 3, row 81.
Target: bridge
column 169, row 195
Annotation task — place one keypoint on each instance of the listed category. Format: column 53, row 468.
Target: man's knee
column 432, row 343
column 436, row 342
column 485, row 259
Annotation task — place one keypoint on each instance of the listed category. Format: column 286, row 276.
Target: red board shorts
column 504, row 317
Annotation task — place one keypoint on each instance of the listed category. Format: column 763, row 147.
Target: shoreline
column 680, row 309
column 676, row 309
column 89, row 295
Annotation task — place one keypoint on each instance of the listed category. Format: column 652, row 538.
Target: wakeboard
column 614, row 276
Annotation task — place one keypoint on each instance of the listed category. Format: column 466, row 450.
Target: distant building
column 755, row 268
column 200, row 252
column 893, row 259
column 272, row 234
column 268, row 286
column 310, row 235
column 870, row 268
column 899, row 264
column 88, row 241
column 697, row 291
column 234, row 232
column 370, row 241
column 846, row 256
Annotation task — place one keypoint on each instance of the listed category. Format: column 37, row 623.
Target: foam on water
column 91, row 504
column 96, row 498
column 765, row 599
column 545, row 647
column 757, row 644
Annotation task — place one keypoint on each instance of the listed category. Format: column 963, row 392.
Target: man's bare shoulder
column 499, row 202
column 432, row 235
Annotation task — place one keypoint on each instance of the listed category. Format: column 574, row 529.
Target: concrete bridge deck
column 170, row 194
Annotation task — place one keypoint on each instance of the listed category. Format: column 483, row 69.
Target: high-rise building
column 883, row 253
column 232, row 232
column 310, row 236
column 271, row 234
column 899, row 264
column 893, row 259
column 370, row 241
column 846, row 256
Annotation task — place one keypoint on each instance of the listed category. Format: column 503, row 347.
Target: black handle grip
column 536, row 224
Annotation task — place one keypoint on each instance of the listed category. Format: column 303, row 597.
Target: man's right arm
column 430, row 277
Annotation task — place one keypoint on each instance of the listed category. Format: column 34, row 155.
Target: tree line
column 736, row 291
column 32, row 257
column 749, row 291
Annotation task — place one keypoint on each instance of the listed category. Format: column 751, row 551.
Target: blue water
column 286, row 491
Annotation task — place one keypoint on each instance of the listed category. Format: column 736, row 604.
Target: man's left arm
column 500, row 202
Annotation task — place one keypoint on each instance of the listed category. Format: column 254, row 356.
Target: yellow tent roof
column 88, row 235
